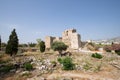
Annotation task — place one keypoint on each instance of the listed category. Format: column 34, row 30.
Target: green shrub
column 31, row 44
column 28, row 66
column 117, row 51
column 67, row 63
column 59, row 60
column 96, row 55
column 42, row 46
column 1, row 62
column 6, row 68
column 59, row 46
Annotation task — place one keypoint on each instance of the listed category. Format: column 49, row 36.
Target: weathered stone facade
column 69, row 37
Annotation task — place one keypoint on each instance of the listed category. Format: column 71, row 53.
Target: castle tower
column 71, row 38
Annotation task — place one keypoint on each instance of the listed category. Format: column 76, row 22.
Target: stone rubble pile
column 44, row 66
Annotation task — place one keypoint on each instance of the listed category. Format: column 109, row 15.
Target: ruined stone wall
column 69, row 37
column 49, row 40
column 75, row 41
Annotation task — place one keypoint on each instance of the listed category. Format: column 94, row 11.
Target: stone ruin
column 70, row 37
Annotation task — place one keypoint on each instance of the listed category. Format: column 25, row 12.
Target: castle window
column 66, row 33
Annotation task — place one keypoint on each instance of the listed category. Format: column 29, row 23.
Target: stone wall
column 69, row 37
column 75, row 41
column 49, row 40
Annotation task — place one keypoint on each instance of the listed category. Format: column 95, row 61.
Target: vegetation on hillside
column 59, row 46
column 96, row 55
column 28, row 66
column 67, row 63
column 115, row 47
column 31, row 44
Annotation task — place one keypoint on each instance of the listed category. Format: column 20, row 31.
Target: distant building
column 70, row 37
column 89, row 41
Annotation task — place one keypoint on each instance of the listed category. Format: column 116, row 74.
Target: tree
column 23, row 45
column 38, row 42
column 59, row 46
column 12, row 44
column 31, row 44
column 42, row 46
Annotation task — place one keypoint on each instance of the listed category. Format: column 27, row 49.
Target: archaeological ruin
column 70, row 37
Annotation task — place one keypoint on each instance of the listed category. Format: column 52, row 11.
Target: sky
column 35, row 19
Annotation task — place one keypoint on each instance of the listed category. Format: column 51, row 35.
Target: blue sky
column 33, row 19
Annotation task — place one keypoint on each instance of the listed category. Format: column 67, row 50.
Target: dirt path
column 80, row 76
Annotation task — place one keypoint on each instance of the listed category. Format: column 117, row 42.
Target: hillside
column 108, row 41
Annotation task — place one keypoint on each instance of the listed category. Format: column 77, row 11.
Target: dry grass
column 5, row 58
column 91, row 68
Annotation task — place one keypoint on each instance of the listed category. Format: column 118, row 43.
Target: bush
column 59, row 46
column 42, row 46
column 28, row 66
column 59, row 60
column 96, row 55
column 6, row 68
column 115, row 47
column 117, row 51
column 30, row 44
column 67, row 63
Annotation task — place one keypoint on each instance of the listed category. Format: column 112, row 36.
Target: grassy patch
column 6, row 68
column 117, row 52
column 28, row 66
column 4, row 58
column 67, row 63
column 96, row 55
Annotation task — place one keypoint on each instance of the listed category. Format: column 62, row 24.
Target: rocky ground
column 46, row 67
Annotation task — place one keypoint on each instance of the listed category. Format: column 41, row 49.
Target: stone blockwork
column 49, row 40
column 69, row 37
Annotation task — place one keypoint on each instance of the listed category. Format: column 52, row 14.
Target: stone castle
column 70, row 37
